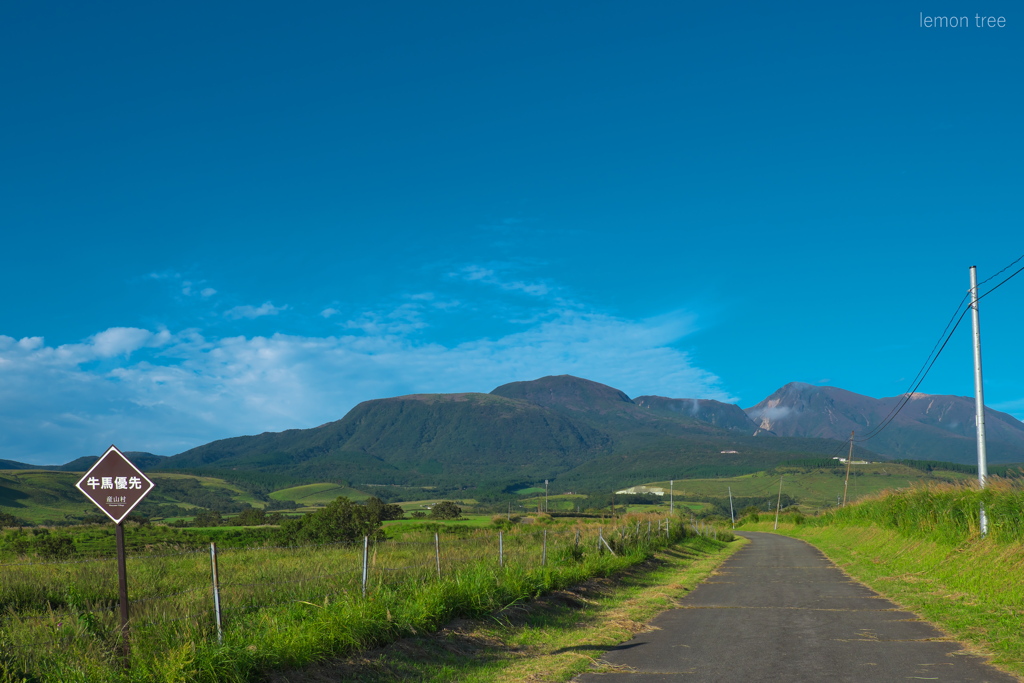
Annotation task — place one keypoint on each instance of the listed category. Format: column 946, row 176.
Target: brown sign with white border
column 115, row 485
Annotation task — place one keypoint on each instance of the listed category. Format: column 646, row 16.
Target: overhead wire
column 915, row 383
column 934, row 356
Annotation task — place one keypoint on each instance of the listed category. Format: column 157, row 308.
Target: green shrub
column 446, row 509
column 341, row 521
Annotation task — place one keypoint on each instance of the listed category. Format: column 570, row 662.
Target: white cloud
column 188, row 389
column 252, row 312
column 490, row 276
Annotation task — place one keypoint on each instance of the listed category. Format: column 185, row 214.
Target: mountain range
column 928, row 427
column 588, row 435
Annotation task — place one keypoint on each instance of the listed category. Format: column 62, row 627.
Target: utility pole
column 545, row 495
column 849, row 459
column 732, row 515
column 979, row 396
column 778, row 503
column 671, row 496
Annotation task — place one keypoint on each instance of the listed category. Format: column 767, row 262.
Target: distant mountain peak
column 722, row 415
column 565, row 391
column 929, row 426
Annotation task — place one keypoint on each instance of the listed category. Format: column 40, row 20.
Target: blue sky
column 229, row 218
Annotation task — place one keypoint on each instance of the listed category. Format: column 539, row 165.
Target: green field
column 815, row 489
column 401, row 526
column 49, row 497
column 288, row 607
column 39, row 496
column 412, row 505
column 318, row 494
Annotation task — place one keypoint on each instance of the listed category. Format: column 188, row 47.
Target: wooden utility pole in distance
column 849, row 458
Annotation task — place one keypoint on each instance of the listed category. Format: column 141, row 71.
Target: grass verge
column 971, row 590
column 552, row 638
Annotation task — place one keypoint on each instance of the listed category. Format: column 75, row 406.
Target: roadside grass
column 972, row 591
column 922, row 548
column 551, row 638
column 286, row 607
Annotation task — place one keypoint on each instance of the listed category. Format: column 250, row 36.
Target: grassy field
column 44, row 496
column 552, row 638
column 425, row 505
column 468, row 521
column 287, row 607
column 318, row 494
column 815, row 489
column 38, row 496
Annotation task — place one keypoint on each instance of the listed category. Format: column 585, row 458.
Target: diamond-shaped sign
column 115, row 485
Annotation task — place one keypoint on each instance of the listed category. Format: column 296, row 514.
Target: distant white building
column 634, row 490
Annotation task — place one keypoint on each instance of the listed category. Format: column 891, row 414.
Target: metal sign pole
column 122, row 587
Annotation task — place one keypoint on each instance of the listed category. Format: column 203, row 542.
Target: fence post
column 544, row 550
column 437, row 553
column 577, row 537
column 501, row 551
column 648, row 531
column 216, row 592
column 366, row 551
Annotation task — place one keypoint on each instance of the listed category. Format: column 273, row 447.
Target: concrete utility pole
column 671, row 496
column 849, row 458
column 545, row 495
column 778, row 503
column 979, row 396
column 732, row 515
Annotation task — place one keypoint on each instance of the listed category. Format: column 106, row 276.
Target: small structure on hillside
column 636, row 490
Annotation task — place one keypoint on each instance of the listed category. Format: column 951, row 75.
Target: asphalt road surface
column 779, row 610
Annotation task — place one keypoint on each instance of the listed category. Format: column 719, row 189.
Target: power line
column 928, row 365
column 992, row 277
column 914, row 383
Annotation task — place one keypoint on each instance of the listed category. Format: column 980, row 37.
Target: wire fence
column 200, row 596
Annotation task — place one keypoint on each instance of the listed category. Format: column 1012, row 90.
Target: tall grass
column 284, row 607
column 943, row 512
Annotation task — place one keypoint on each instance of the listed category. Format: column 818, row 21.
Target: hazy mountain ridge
column 723, row 415
column 929, row 427
column 584, row 431
column 522, row 431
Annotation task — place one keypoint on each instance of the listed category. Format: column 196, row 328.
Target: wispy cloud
column 187, row 389
column 187, row 287
column 251, row 312
column 491, row 276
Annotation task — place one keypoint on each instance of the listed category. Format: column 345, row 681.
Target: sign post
column 116, row 486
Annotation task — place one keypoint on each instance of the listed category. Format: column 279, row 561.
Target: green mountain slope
column 520, row 433
column 426, row 439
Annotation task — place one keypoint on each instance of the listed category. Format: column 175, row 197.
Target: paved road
column 779, row 610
